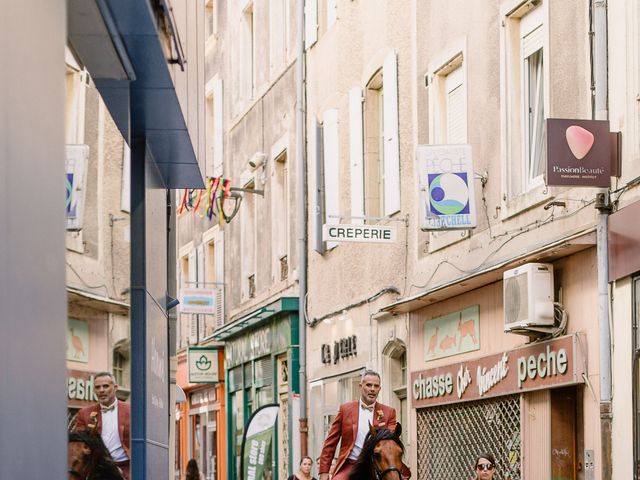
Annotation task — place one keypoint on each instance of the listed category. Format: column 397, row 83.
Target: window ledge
column 526, row 201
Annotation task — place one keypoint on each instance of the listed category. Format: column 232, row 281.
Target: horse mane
column 102, row 466
column 363, row 468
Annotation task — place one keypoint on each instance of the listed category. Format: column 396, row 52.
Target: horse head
column 89, row 459
column 381, row 455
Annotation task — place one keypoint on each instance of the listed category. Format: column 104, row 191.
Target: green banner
column 256, row 447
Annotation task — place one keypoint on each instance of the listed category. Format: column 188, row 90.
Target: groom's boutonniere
column 93, row 422
column 379, row 415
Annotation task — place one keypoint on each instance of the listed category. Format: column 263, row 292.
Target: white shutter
column 456, row 107
column 218, row 129
column 202, row 324
column 356, row 154
column 391, row 141
column 331, row 170
column 193, row 277
column 219, row 260
column 332, row 12
column 310, row 23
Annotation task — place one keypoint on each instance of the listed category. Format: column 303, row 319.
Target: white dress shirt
column 365, row 417
column 111, row 436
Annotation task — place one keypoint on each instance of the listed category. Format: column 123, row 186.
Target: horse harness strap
column 380, row 474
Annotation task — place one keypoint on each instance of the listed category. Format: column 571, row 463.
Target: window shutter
column 218, row 129
column 219, row 259
column 316, row 142
column 456, row 100
column 332, row 12
column 356, row 154
column 310, row 23
column 193, row 277
column 202, row 324
column 391, row 141
column 331, row 170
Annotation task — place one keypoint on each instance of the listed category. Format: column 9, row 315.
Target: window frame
column 519, row 20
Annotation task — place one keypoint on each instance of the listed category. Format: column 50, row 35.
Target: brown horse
column 89, row 459
column 381, row 456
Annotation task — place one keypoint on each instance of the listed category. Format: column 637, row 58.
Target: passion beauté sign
column 541, row 365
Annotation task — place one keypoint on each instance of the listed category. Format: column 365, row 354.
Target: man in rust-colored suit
column 351, row 425
column 110, row 418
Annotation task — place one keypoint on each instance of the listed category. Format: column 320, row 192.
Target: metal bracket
column 248, row 190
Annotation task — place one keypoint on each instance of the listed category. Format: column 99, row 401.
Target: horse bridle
column 76, row 474
column 380, row 474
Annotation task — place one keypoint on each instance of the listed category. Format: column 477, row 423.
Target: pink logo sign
column 579, row 140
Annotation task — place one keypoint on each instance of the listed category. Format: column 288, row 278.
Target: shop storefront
column 530, row 401
column 624, row 275
column 262, row 365
column 484, row 405
column 200, row 420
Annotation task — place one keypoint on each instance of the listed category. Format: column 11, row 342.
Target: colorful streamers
column 216, row 188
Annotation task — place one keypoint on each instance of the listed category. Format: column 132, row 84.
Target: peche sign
column 534, row 367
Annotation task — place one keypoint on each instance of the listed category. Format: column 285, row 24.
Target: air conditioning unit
column 528, row 298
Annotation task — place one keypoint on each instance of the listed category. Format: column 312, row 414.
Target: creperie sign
column 542, row 365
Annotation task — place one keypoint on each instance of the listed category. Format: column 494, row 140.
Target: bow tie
column 107, row 409
column 366, row 407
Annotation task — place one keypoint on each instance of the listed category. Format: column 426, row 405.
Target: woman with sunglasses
column 485, row 466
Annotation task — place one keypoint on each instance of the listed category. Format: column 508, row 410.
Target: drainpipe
column 302, row 223
column 604, row 208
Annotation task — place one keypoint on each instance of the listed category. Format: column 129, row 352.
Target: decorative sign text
column 343, row 348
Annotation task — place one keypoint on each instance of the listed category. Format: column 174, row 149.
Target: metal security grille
column 451, row 436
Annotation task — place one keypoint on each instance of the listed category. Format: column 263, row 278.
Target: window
column 249, row 50
column 214, row 159
column 214, row 277
column 279, row 215
column 375, row 163
column 121, row 370
column 279, row 34
column 448, row 102
column 248, row 243
column 211, row 22
column 524, row 73
column 76, row 81
column 374, row 148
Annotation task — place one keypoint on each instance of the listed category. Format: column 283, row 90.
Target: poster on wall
column 457, row 332
column 256, row 444
column 77, row 340
column 446, row 194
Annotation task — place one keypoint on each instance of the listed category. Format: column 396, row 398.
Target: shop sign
column 446, row 193
column 203, row 365
column 359, row 233
column 578, row 153
column 342, row 348
column 80, row 387
column 258, row 343
column 533, row 367
column 203, row 397
column 451, row 334
column 77, row 340
column 198, row 300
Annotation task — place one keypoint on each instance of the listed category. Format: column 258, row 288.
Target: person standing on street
column 485, row 467
column 304, row 472
column 110, row 418
column 351, row 425
column 193, row 472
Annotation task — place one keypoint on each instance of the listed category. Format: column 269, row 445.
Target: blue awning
column 119, row 43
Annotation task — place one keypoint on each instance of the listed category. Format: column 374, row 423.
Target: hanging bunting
column 216, row 188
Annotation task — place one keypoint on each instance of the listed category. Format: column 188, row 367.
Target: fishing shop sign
column 550, row 364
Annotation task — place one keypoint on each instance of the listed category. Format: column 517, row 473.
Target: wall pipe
column 302, row 222
column 604, row 209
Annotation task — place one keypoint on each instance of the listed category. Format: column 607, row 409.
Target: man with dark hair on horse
column 110, row 418
column 351, row 425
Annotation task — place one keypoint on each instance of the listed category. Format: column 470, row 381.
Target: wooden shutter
column 331, row 170
column 202, row 324
column 332, row 12
column 356, row 155
column 193, row 277
column 310, row 23
column 391, row 140
column 456, row 107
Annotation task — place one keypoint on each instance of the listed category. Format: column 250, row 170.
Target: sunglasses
column 485, row 466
